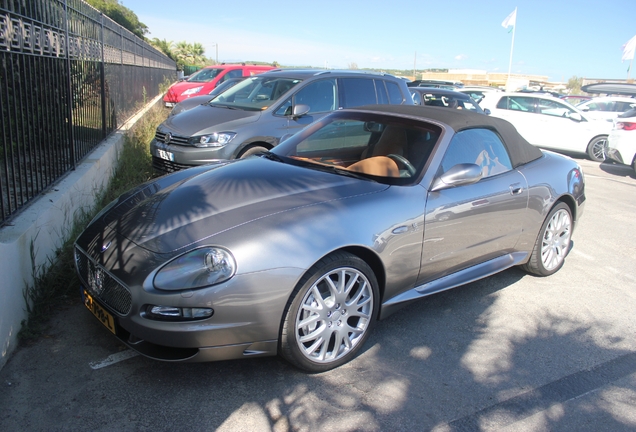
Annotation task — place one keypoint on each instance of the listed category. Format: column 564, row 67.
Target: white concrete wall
column 46, row 224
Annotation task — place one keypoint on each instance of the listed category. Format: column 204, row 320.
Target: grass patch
column 56, row 284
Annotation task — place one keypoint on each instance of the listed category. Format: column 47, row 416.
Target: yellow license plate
column 100, row 313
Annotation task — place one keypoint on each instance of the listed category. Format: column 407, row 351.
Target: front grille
column 102, row 285
column 165, row 167
column 174, row 139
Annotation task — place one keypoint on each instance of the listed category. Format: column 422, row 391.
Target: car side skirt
column 454, row 280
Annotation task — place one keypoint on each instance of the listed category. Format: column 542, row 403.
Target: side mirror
column 458, row 175
column 300, row 110
column 487, row 111
column 575, row 117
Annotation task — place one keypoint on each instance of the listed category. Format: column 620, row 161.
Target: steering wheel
column 404, row 161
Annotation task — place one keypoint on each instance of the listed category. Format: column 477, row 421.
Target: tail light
column 626, row 126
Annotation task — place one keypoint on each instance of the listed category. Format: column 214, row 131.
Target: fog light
column 171, row 313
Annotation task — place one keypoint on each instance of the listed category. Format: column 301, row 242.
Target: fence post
column 69, row 92
column 102, row 77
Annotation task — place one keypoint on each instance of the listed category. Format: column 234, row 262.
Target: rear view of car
column 444, row 98
column 622, row 140
column 607, row 108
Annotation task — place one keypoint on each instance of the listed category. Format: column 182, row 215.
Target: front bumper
column 167, row 158
column 246, row 322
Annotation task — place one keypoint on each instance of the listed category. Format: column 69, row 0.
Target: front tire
column 330, row 313
column 553, row 242
column 597, row 147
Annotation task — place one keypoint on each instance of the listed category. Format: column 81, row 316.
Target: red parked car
column 205, row 80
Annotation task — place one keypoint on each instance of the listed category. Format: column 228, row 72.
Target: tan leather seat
column 392, row 141
column 378, row 166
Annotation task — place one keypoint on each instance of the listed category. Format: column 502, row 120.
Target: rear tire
column 597, row 148
column 553, row 242
column 330, row 313
column 252, row 151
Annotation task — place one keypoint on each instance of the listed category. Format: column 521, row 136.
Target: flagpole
column 512, row 46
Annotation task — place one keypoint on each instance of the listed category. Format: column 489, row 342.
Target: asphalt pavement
column 511, row 352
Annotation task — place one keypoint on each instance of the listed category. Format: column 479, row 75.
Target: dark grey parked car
column 445, row 99
column 255, row 114
column 299, row 251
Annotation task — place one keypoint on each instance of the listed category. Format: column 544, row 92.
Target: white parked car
column 622, row 140
column 548, row 122
column 607, row 107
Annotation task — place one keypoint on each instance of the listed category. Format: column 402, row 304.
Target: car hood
column 205, row 118
column 190, row 103
column 182, row 86
column 226, row 197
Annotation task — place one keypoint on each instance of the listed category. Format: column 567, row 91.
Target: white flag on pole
column 628, row 49
column 510, row 19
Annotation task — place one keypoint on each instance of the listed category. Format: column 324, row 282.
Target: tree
column 183, row 53
column 574, row 85
column 353, row 65
column 121, row 15
column 165, row 47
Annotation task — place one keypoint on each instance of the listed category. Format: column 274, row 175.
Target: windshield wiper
column 271, row 156
column 223, row 106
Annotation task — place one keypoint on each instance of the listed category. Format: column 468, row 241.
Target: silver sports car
column 299, row 251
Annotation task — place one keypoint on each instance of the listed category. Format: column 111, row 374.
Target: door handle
column 516, row 189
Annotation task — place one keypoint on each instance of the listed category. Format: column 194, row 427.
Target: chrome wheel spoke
column 556, row 239
column 334, row 315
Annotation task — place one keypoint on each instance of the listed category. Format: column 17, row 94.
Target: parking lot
column 510, row 352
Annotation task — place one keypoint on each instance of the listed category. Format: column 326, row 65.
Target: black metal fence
column 69, row 76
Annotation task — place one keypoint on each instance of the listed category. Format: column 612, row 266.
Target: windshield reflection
column 255, row 94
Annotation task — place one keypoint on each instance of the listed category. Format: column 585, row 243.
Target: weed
column 55, row 284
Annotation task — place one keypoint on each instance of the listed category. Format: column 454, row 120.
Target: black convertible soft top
column 521, row 151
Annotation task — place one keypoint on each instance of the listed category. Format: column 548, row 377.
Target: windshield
column 204, row 75
column 382, row 148
column 255, row 93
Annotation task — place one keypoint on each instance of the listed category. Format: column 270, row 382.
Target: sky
column 559, row 39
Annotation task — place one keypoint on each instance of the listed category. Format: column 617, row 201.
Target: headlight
column 193, row 90
column 171, row 313
column 196, row 269
column 217, row 139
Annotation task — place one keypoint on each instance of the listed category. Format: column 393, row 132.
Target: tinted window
column 478, row 146
column 338, row 135
column 358, row 92
column 236, row 73
column 417, row 98
column 517, row 103
column 255, row 93
column 624, row 106
column 205, row 75
column 381, row 91
column 319, row 95
column 553, row 108
column 395, row 95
